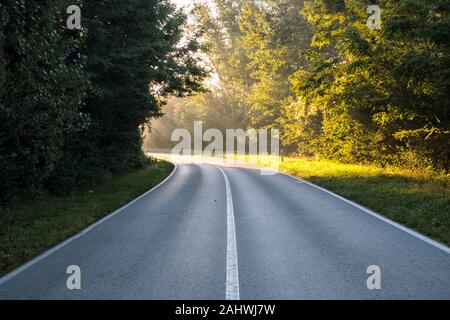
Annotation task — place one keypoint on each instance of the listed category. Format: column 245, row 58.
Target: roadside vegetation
column 29, row 227
column 73, row 103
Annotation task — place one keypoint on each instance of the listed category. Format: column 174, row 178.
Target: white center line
column 232, row 282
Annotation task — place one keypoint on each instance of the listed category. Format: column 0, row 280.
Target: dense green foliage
column 73, row 102
column 274, row 36
column 42, row 85
column 334, row 87
column 376, row 95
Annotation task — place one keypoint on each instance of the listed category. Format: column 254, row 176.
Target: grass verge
column 416, row 199
column 27, row 228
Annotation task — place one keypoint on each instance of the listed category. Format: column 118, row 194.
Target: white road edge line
column 49, row 252
column 376, row 215
column 232, row 282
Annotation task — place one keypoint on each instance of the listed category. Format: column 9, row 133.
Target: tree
column 72, row 103
column 380, row 95
column 274, row 36
column 138, row 53
column 42, row 85
column 226, row 105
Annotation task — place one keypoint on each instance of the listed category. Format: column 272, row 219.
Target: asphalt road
column 212, row 232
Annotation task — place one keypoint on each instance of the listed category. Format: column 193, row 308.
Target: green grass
column 27, row 228
column 417, row 199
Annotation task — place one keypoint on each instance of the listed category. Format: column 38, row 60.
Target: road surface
column 216, row 232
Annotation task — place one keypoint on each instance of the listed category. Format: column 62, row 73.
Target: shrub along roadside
column 27, row 228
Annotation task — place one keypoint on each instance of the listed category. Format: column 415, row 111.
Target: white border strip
column 232, row 282
column 49, row 252
column 376, row 215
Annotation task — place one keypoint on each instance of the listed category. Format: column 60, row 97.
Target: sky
column 189, row 3
column 183, row 3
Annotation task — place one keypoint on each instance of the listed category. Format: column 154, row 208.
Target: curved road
column 216, row 232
